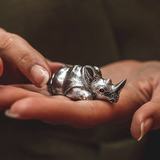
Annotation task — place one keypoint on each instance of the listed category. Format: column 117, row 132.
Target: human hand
column 19, row 60
column 140, row 96
column 139, row 99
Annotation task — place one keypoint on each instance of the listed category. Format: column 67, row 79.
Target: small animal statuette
column 84, row 83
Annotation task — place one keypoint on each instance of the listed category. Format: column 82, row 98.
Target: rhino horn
column 118, row 87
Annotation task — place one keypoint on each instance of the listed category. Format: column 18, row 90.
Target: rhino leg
column 79, row 94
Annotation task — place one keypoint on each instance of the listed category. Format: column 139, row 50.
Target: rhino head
column 103, row 89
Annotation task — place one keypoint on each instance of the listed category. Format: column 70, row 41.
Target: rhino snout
column 113, row 98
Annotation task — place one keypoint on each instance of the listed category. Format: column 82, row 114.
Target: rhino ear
column 90, row 73
column 98, row 70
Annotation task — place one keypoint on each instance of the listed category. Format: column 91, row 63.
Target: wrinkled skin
column 139, row 100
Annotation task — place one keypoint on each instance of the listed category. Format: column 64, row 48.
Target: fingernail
column 145, row 127
column 10, row 115
column 40, row 75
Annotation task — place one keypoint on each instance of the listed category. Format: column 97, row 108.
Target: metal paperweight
column 84, row 83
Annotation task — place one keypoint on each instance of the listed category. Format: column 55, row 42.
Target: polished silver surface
column 84, row 83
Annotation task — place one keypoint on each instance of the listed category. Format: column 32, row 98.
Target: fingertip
column 145, row 127
column 20, row 109
column 39, row 75
column 9, row 114
column 144, row 119
column 139, row 130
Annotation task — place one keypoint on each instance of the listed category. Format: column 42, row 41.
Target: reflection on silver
column 84, row 83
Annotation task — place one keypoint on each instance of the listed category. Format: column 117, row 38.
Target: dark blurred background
column 94, row 32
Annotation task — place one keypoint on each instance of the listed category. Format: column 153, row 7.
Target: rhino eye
column 101, row 90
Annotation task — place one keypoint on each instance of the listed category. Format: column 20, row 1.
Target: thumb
column 146, row 118
column 30, row 62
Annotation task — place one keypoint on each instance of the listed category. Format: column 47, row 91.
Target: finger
column 12, row 75
column 1, row 66
column 146, row 118
column 55, row 111
column 10, row 94
column 30, row 62
column 80, row 114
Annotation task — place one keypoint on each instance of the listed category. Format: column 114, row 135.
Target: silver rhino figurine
column 84, row 83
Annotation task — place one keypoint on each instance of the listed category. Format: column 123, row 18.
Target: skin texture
column 15, row 54
column 139, row 99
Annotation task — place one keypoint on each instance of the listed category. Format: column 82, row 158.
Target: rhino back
column 75, row 78
column 59, row 78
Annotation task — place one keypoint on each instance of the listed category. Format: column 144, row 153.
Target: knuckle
column 145, row 89
column 24, row 59
column 6, row 41
column 15, row 49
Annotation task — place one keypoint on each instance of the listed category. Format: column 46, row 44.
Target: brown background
column 81, row 32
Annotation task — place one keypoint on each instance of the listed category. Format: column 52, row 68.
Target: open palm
column 141, row 92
